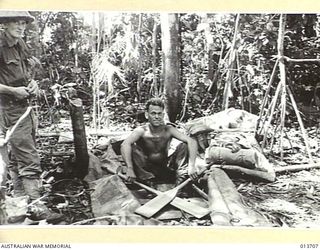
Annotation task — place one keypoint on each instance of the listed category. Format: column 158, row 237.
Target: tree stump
column 80, row 139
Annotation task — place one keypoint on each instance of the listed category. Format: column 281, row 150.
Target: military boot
column 39, row 211
column 18, row 189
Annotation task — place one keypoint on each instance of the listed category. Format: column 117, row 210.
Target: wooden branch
column 282, row 79
column 273, row 106
column 267, row 176
column 294, row 168
column 230, row 73
column 301, row 60
column 273, row 135
column 200, row 192
column 304, row 133
column 99, row 133
column 184, row 109
column 94, row 219
column 266, row 95
column 155, row 88
column 283, row 110
column 240, row 80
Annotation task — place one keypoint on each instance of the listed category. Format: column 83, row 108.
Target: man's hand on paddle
column 193, row 172
column 129, row 174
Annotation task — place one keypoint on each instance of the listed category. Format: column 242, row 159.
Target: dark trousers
column 22, row 141
column 174, row 170
column 24, row 165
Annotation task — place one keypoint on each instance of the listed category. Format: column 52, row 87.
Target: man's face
column 16, row 29
column 155, row 115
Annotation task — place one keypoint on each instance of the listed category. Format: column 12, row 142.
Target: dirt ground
column 293, row 200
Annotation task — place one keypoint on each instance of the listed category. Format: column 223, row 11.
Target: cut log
column 294, row 168
column 220, row 214
column 241, row 214
column 80, row 139
column 260, row 175
column 227, row 205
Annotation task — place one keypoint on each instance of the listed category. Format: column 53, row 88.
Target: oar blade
column 189, row 207
column 154, row 205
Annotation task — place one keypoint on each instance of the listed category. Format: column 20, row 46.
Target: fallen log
column 261, row 175
column 227, row 205
column 294, row 168
column 219, row 212
column 269, row 176
column 91, row 133
column 242, row 215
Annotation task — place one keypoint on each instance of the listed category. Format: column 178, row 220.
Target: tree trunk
column 213, row 57
column 141, row 58
column 231, row 62
column 155, row 55
column 171, row 64
column 95, row 87
column 282, row 78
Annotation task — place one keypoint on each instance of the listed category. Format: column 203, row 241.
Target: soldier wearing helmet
column 16, row 89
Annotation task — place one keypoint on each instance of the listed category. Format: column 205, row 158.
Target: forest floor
column 293, row 200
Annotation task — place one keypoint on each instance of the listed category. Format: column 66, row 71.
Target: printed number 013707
column 309, row 246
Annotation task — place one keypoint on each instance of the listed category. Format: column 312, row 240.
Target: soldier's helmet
column 13, row 16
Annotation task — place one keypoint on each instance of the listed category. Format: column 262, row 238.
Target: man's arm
column 18, row 92
column 126, row 151
column 192, row 149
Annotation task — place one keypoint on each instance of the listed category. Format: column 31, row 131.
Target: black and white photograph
column 179, row 119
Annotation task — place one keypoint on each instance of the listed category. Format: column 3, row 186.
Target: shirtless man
column 145, row 151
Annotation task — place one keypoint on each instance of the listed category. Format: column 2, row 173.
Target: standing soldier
column 16, row 89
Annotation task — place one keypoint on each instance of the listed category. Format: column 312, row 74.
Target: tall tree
column 171, row 47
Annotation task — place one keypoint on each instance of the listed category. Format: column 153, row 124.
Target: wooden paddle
column 182, row 204
column 154, row 205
